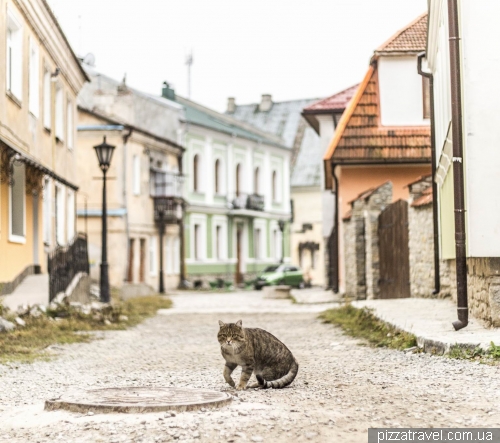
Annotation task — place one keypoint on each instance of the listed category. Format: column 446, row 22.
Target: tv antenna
column 189, row 63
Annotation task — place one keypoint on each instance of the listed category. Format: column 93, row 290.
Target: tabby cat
column 255, row 350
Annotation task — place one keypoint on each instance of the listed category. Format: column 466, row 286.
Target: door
column 394, row 251
column 131, row 253
column 239, row 240
column 142, row 260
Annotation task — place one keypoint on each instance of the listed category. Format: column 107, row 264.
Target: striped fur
column 257, row 352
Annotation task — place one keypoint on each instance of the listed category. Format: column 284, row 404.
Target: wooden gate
column 394, row 252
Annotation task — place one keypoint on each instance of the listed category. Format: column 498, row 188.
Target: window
column 196, row 171
column 69, row 125
column 60, row 215
column 18, row 205
column 238, row 180
column 256, row 181
column 152, row 255
column 47, row 211
column 14, row 56
column 426, row 97
column 34, row 79
column 136, row 177
column 197, row 242
column 59, row 113
column 218, row 239
column 71, row 215
column 257, row 243
column 47, row 100
column 217, row 176
column 275, row 186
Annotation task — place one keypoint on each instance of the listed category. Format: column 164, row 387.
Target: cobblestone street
column 341, row 389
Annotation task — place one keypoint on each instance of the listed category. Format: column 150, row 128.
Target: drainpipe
column 335, row 279
column 458, row 170
column 125, row 198
column 437, row 282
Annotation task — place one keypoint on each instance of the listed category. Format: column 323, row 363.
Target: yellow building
column 38, row 90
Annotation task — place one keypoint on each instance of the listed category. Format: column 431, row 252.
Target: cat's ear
column 238, row 323
column 221, row 324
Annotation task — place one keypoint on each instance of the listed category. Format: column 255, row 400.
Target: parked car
column 280, row 275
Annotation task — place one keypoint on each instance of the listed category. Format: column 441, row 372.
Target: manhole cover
column 137, row 400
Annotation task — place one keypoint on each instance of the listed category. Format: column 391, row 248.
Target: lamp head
column 104, row 153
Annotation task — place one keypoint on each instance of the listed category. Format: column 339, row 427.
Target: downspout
column 335, row 279
column 125, row 198
column 458, row 171
column 437, row 281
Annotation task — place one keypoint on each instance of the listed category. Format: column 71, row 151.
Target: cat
column 255, row 350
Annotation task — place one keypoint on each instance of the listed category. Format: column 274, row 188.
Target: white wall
column 401, row 95
column 481, row 100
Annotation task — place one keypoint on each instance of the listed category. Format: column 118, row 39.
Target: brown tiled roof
column 336, row 102
column 424, row 199
column 412, row 38
column 347, row 216
column 422, row 178
column 360, row 138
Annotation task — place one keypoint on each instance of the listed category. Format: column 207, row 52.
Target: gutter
column 437, row 282
column 458, row 170
column 335, row 270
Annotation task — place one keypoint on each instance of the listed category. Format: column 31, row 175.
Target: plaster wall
column 401, row 93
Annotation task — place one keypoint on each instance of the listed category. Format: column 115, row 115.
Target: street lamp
column 281, row 224
column 104, row 154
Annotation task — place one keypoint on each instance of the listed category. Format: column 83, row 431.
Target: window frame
column 59, row 120
column 60, row 214
column 16, row 238
column 34, row 78
column 14, row 58
column 47, row 99
column 70, row 126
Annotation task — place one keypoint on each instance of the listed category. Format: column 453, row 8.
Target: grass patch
column 490, row 356
column 67, row 325
column 361, row 323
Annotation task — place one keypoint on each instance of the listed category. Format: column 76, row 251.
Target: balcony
column 253, row 202
column 166, row 189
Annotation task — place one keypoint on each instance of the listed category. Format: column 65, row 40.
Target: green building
column 237, row 191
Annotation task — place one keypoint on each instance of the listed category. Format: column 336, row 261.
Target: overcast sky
column 241, row 48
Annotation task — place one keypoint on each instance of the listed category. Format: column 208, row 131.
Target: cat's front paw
column 241, row 387
column 231, row 382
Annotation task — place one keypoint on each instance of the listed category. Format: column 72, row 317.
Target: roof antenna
column 189, row 63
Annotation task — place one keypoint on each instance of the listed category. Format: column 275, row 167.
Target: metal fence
column 65, row 262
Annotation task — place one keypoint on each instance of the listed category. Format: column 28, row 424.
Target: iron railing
column 65, row 262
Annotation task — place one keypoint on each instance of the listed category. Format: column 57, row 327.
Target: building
column 323, row 117
column 145, row 182
column 467, row 107
column 384, row 133
column 39, row 82
column 312, row 207
column 237, row 190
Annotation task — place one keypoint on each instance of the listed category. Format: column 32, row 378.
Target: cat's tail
column 281, row 382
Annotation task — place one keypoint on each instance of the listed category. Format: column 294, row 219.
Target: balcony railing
column 253, row 202
column 166, row 184
column 65, row 262
column 168, row 210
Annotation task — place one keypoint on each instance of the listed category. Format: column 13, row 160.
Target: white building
column 480, row 71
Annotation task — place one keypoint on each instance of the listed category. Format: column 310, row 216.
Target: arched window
column 217, row 176
column 275, row 186
column 238, row 180
column 196, row 168
column 256, row 179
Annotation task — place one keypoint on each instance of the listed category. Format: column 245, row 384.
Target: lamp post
column 281, row 224
column 104, row 154
column 161, row 227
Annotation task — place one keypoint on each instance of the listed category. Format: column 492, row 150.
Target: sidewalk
column 34, row 290
column 430, row 320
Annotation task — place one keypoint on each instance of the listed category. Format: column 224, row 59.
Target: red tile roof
column 360, row 138
column 412, row 38
column 336, row 102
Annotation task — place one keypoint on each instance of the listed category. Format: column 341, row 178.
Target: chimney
column 266, row 103
column 231, row 105
column 167, row 91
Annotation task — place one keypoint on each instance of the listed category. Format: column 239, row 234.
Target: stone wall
column 484, row 288
column 361, row 242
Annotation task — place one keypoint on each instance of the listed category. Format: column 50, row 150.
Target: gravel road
column 342, row 387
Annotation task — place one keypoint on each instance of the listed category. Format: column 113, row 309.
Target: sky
column 291, row 49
